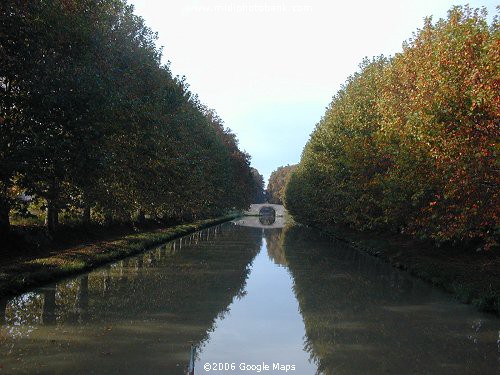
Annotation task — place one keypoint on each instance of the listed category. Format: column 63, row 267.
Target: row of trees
column 277, row 182
column 259, row 195
column 92, row 122
column 409, row 143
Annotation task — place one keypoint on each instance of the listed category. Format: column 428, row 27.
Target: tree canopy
column 409, row 143
column 277, row 182
column 92, row 122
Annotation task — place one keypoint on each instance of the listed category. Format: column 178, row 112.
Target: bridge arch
column 255, row 209
column 267, row 211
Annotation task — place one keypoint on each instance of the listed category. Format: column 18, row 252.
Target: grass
column 473, row 277
column 22, row 274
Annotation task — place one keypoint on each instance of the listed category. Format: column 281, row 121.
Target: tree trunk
column 52, row 217
column 141, row 217
column 4, row 216
column 86, row 214
column 108, row 218
column 3, row 308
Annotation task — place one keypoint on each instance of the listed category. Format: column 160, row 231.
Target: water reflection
column 140, row 315
column 275, row 250
column 302, row 300
column 262, row 222
column 265, row 326
column 364, row 317
column 267, row 219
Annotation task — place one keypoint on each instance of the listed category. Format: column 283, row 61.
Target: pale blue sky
column 270, row 67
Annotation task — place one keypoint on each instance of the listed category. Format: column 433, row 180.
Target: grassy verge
column 19, row 276
column 472, row 276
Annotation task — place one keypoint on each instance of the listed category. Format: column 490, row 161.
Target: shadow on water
column 139, row 315
column 364, row 317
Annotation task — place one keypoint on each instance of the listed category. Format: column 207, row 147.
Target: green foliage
column 258, row 194
column 409, row 143
column 277, row 183
column 91, row 121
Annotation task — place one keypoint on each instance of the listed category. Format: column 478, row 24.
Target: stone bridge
column 257, row 222
column 256, row 208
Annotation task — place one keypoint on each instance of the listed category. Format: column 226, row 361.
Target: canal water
column 247, row 297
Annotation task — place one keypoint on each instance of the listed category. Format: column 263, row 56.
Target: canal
column 247, row 294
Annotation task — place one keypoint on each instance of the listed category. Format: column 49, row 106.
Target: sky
column 270, row 67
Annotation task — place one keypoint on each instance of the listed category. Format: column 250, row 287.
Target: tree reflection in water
column 141, row 313
column 274, row 241
column 364, row 317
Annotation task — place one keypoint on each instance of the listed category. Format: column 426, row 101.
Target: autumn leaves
column 409, row 143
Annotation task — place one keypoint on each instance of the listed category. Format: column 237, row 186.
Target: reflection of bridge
column 256, row 208
column 254, row 222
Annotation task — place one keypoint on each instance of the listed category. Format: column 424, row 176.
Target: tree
column 91, row 120
column 258, row 190
column 277, row 183
column 409, row 143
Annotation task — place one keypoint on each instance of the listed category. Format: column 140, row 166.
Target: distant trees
column 277, row 182
column 91, row 122
column 258, row 195
column 409, row 143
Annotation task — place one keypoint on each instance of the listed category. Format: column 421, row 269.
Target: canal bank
column 472, row 276
column 20, row 275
